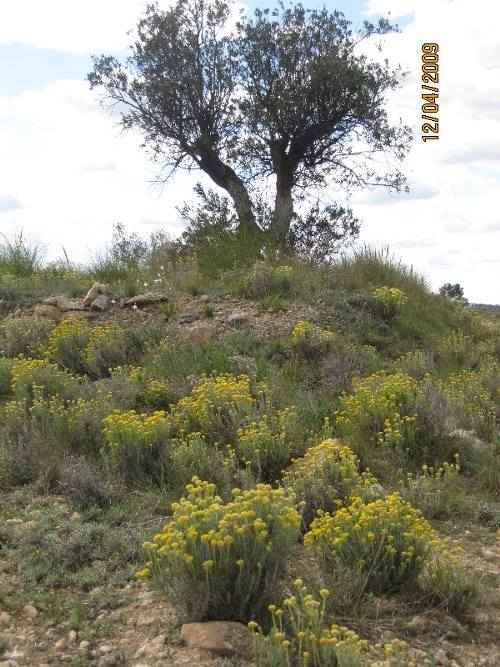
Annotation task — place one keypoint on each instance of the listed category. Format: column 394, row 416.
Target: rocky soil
column 143, row 630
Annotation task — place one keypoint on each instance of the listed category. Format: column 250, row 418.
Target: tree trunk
column 283, row 209
column 226, row 178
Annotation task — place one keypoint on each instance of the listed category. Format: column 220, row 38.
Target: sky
column 68, row 175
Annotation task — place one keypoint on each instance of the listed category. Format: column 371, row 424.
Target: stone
column 442, row 658
column 29, row 611
column 237, row 318
column 105, row 649
column 224, row 638
column 146, row 299
column 93, row 293
column 101, row 302
column 61, row 644
column 47, row 310
column 416, row 655
column 16, row 656
column 187, row 318
column 5, row 619
column 72, row 637
column 83, row 645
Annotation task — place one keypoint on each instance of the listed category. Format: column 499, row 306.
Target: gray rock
column 224, row 638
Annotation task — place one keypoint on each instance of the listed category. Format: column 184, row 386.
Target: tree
column 287, row 97
column 454, row 292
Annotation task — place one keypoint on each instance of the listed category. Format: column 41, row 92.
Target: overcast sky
column 67, row 175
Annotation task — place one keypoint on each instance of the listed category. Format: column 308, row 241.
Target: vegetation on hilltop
column 335, row 427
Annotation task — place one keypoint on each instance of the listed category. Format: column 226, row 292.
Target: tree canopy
column 285, row 101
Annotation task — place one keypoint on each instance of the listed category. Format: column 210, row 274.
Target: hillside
column 350, row 389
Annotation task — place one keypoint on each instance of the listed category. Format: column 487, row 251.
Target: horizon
column 68, row 176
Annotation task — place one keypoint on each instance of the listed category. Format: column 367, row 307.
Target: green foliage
column 21, row 256
column 310, row 342
column 301, row 635
column 326, row 477
column 377, row 546
column 217, row 561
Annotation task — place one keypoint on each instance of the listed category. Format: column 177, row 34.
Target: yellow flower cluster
column 230, row 548
column 374, row 412
column 301, row 636
column 428, row 488
column 390, row 297
column 26, row 374
column 213, row 397
column 133, row 429
column 386, row 539
column 326, row 477
column 310, row 341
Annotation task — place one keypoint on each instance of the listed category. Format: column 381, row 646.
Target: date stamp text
column 430, row 93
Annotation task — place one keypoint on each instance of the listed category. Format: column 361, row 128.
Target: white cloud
column 75, row 27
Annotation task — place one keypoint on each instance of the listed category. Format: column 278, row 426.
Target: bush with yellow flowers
column 109, row 346
column 66, row 343
column 388, row 300
column 377, row 546
column 139, row 444
column 266, row 445
column 23, row 335
column 221, row 561
column 193, row 456
column 310, row 342
column 217, row 404
column 431, row 489
column 381, row 410
column 451, row 586
column 26, row 374
column 326, row 477
column 263, row 280
column 6, row 376
column 471, row 399
column 301, row 636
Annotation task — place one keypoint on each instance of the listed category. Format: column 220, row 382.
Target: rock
column 236, row 318
column 5, row 619
column 101, row 302
column 16, row 656
column 93, row 293
column 146, row 299
column 224, row 638
column 105, row 649
column 84, row 645
column 47, row 310
column 442, row 658
column 29, row 611
column 416, row 655
column 72, row 637
column 418, row 624
column 61, row 644
column 187, row 318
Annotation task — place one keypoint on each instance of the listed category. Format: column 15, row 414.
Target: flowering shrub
column 217, row 404
column 326, row 477
column 265, row 446
column 217, row 561
column 380, row 545
column 108, row 347
column 67, row 341
column 471, row 400
column 23, row 335
column 388, row 300
column 430, row 489
column 139, row 444
column 264, row 280
column 192, row 456
column 380, row 410
column 27, row 374
column 451, row 585
column 311, row 342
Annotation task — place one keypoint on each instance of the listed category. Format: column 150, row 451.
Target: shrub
column 301, row 636
column 388, row 300
column 377, row 410
column 217, row 561
column 264, row 280
column 139, row 445
column 326, row 478
column 430, row 489
column 310, row 342
column 23, row 335
column 378, row 546
column 451, row 586
column 35, row 376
